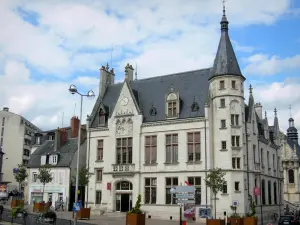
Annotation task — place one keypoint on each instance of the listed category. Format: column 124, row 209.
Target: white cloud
column 39, row 101
column 76, row 36
column 279, row 95
column 261, row 64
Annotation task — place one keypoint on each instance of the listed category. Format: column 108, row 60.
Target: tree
column 21, row 175
column 45, row 176
column 215, row 181
column 83, row 179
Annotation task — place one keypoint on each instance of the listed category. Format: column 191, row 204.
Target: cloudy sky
column 47, row 45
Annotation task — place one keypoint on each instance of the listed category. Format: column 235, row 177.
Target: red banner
column 256, row 191
column 108, row 186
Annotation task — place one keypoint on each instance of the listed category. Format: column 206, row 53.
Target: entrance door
column 125, row 202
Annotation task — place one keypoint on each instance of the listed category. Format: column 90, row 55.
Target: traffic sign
column 184, row 189
column 185, row 195
column 76, row 207
column 189, row 201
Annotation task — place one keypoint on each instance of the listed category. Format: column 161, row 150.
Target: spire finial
column 266, row 114
column 275, row 111
column 290, row 107
column 224, row 8
column 250, row 88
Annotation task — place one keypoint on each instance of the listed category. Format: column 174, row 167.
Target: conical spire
column 225, row 62
column 292, row 131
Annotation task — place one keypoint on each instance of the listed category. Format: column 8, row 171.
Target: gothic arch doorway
column 123, row 196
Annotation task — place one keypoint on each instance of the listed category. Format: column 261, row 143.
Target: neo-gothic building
column 290, row 164
column 147, row 136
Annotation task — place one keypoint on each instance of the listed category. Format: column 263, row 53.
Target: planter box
column 84, row 213
column 15, row 203
column 40, row 207
column 136, row 219
column 215, row 222
column 236, row 221
column 250, row 220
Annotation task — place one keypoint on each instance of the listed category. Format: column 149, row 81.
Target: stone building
column 147, row 136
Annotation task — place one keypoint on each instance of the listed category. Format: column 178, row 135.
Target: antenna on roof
column 74, row 108
column 135, row 71
column 62, row 120
column 111, row 54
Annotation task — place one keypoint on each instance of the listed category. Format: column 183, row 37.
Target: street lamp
column 73, row 90
column 173, row 191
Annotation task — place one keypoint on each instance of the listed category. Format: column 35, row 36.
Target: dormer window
column 43, row 160
column 194, row 106
column 51, row 138
column 102, row 117
column 54, row 159
column 172, row 105
column 38, row 140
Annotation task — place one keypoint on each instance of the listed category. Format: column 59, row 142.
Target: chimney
column 106, row 77
column 61, row 137
column 258, row 109
column 129, row 72
column 5, row 109
column 74, row 126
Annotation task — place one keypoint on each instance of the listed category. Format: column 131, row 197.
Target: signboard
column 184, row 189
column 235, row 203
column 76, row 207
column 108, row 186
column 185, row 196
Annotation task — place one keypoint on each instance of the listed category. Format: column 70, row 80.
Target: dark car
column 288, row 220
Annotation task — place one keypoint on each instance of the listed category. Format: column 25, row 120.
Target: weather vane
column 224, row 6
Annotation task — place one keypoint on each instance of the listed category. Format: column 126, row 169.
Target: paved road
column 106, row 219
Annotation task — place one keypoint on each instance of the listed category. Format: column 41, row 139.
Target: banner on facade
column 256, row 191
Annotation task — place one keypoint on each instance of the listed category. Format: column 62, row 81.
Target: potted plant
column 50, row 217
column 250, row 218
column 18, row 212
column 20, row 175
column 45, row 177
column 235, row 218
column 215, row 181
column 135, row 216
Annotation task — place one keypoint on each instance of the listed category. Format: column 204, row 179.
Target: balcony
column 123, row 169
column 28, row 137
column 27, row 147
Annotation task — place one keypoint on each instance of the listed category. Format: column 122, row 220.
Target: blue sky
column 47, row 45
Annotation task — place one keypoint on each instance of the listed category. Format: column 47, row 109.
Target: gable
column 150, row 93
column 126, row 103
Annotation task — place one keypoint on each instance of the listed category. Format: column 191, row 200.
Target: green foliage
column 15, row 211
column 215, row 180
column 45, row 174
column 21, row 175
column 253, row 209
column 83, row 177
column 234, row 215
column 137, row 207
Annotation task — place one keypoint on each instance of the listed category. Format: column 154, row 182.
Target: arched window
column 270, row 192
column 172, row 105
column 291, row 176
column 275, row 193
column 263, row 192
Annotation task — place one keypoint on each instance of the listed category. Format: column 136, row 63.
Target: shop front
column 50, row 193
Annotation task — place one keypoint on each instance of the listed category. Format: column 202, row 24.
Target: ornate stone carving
column 124, row 127
column 124, row 112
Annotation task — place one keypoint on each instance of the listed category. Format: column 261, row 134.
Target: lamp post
column 73, row 90
column 173, row 191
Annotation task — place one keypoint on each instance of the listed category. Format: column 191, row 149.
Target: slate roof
column 66, row 153
column 192, row 86
column 225, row 62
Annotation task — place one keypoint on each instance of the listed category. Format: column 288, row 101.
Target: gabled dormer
column 51, row 136
column 172, row 103
column 102, row 117
column 53, row 159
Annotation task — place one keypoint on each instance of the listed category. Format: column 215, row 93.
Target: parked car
column 288, row 220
